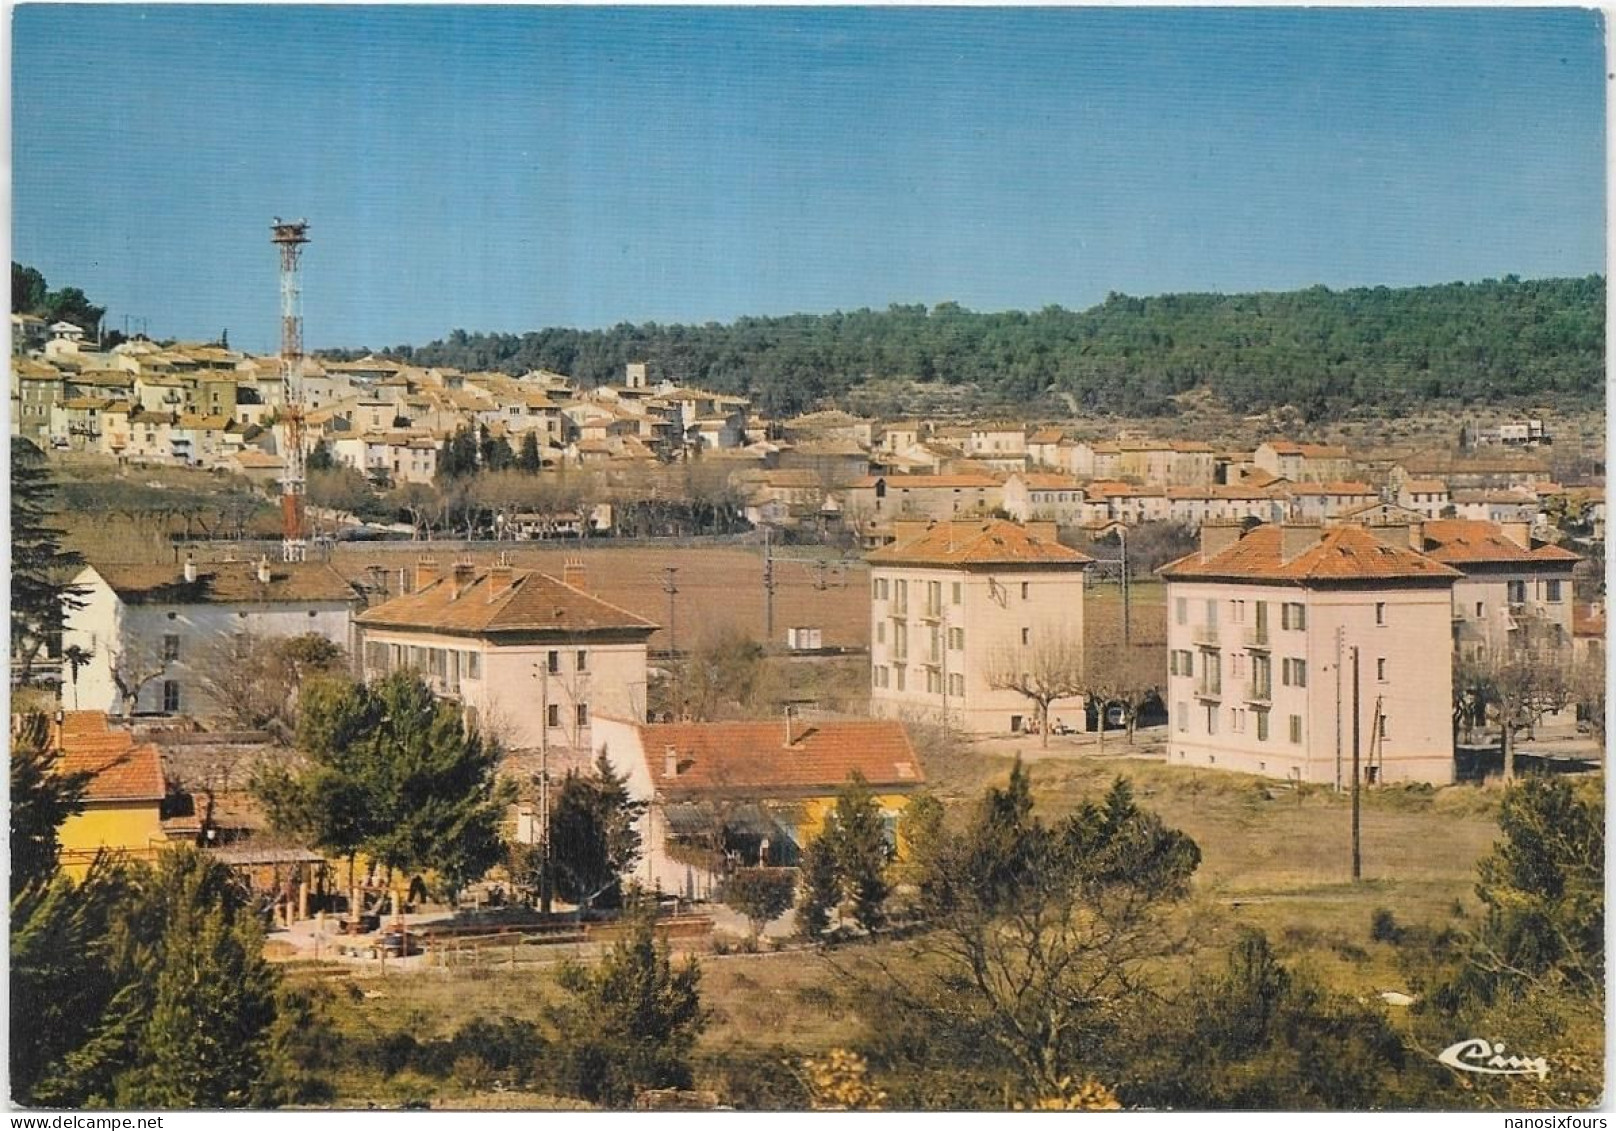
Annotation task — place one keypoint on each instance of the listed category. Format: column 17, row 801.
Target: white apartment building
column 952, row 602
column 533, row 658
column 1504, row 579
column 1262, row 631
column 158, row 629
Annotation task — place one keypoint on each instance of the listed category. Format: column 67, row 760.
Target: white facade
column 176, row 642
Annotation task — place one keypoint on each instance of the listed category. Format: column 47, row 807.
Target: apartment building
column 1262, row 633
column 533, row 658
column 954, row 603
column 1504, row 581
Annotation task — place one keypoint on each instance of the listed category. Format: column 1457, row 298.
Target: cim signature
column 1476, row 1055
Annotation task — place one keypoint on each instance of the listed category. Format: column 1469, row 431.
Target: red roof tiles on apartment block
column 984, row 542
column 121, row 770
column 485, row 602
column 1341, row 553
column 1457, row 540
column 226, row 583
column 757, row 756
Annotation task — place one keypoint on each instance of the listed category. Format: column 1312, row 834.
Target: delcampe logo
column 1474, row 1054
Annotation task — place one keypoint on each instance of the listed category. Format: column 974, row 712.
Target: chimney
column 1218, row 534
column 463, row 574
column 1397, row 535
column 574, row 574
column 1519, row 533
column 426, row 572
column 500, row 577
column 263, row 570
column 1297, row 538
column 190, row 569
column 670, row 761
column 1043, row 530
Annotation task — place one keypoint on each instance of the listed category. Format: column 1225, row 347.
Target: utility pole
column 544, row 785
column 1122, row 533
column 671, row 588
column 768, row 589
column 1340, row 634
column 1357, row 843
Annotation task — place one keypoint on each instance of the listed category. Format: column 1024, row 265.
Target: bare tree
column 1521, row 679
column 1588, row 684
column 1128, row 676
column 1048, row 669
column 133, row 667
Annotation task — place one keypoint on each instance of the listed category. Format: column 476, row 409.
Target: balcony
column 1258, row 638
column 1205, row 634
column 1259, row 692
column 1211, row 691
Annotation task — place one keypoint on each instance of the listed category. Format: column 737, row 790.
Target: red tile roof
column 984, row 542
column 1347, row 552
column 528, row 601
column 226, row 583
column 1457, row 540
column 754, row 757
column 122, row 771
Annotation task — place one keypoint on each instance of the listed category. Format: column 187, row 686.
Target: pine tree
column 634, row 1018
column 41, row 799
column 529, row 461
column 593, row 841
column 41, row 589
column 861, row 852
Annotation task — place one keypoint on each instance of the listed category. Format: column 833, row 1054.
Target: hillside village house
column 757, row 791
column 1045, row 496
column 1303, row 463
column 1261, row 630
column 157, row 630
column 534, row 659
column 124, row 798
column 952, row 603
column 1428, row 496
column 877, row 500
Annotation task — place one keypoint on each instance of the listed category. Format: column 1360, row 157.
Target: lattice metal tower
column 290, row 236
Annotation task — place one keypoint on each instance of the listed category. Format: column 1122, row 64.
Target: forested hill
column 1320, row 350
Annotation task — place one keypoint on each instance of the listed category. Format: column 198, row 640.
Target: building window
column 902, row 597
column 1293, row 615
column 934, row 682
column 171, row 648
column 875, row 589
column 553, row 662
column 900, row 670
column 1296, row 729
column 583, row 661
column 956, row 685
column 1380, row 669
column 1517, row 592
column 959, row 593
column 1026, row 636
column 1551, row 591
column 1026, row 590
column 1479, row 610
column 1211, row 613
column 582, row 714
column 1385, row 728
column 1211, row 719
column 956, row 639
column 552, row 716
column 171, row 697
column 1380, row 612
column 1180, row 610
column 1262, row 726
column 1294, row 673
column 474, row 665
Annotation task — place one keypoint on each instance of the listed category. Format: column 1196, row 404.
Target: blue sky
column 512, row 168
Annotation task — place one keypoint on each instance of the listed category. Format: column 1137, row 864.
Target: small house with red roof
column 749, row 793
column 124, row 796
column 1269, row 631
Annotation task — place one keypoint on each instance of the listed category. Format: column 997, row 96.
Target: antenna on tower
column 290, row 236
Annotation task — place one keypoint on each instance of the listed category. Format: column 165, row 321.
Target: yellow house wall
column 134, row 827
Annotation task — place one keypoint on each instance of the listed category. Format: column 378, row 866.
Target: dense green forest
column 1319, row 350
